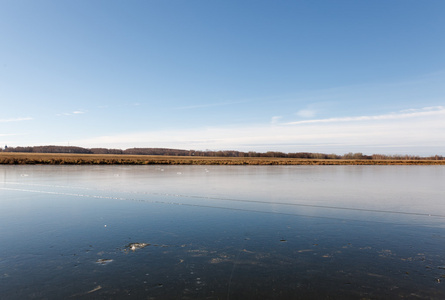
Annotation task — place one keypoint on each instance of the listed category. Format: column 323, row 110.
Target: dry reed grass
column 109, row 159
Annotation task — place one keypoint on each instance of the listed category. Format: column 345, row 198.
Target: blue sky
column 291, row 76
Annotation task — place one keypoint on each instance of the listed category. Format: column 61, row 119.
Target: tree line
column 209, row 153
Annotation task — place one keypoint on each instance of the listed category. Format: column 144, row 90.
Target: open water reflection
column 222, row 232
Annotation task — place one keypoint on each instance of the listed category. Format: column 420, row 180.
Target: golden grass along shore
column 109, row 159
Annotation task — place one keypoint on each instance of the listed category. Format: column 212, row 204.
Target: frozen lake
column 222, row 232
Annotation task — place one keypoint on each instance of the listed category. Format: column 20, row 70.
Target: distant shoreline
column 14, row 158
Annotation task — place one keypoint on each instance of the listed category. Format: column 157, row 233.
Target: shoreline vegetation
column 62, row 155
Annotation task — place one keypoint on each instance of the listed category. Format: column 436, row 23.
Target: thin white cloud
column 275, row 119
column 393, row 131
column 428, row 108
column 15, row 120
column 76, row 112
column 212, row 104
column 427, row 111
column 306, row 113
